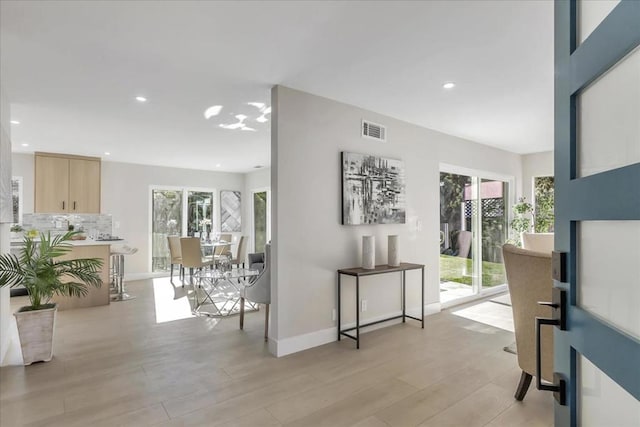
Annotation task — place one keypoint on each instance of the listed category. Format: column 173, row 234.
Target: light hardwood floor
column 116, row 366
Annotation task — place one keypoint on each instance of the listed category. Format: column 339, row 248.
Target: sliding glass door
column 166, row 220
column 457, row 220
column 473, row 228
column 177, row 212
column 260, row 220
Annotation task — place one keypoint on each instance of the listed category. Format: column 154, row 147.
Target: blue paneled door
column 593, row 200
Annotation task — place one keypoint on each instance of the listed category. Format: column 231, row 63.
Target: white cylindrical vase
column 368, row 252
column 393, row 258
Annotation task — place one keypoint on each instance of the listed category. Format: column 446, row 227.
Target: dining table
column 219, row 290
column 209, row 246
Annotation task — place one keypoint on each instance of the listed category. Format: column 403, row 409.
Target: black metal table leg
column 357, row 312
column 422, row 301
column 404, row 298
column 339, row 292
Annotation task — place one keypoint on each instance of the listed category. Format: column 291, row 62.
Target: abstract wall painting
column 230, row 212
column 372, row 190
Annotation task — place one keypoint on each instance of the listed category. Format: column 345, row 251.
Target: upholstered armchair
column 529, row 280
column 538, row 242
column 259, row 291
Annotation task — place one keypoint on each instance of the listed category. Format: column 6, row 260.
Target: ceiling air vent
column 374, row 131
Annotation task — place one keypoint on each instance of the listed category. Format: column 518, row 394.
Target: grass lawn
column 453, row 267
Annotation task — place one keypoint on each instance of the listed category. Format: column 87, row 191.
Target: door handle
column 559, row 319
column 74, row 205
column 63, row 205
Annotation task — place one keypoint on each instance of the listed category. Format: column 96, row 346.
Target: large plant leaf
column 42, row 272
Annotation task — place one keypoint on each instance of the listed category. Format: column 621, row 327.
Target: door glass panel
column 609, row 119
column 608, row 272
column 259, row 220
column 458, row 208
column 590, row 14
column 166, row 221
column 494, row 232
column 200, row 212
column 544, row 204
column 601, row 401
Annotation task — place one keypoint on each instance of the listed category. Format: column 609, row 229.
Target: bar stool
column 117, row 267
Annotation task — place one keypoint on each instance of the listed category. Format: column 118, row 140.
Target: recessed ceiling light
column 106, row 153
column 449, row 85
column 141, row 99
column 214, row 110
column 15, row 122
column 218, row 165
column 24, row 144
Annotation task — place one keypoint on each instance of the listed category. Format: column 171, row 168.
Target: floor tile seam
column 466, row 394
column 500, row 413
column 232, row 397
column 362, row 390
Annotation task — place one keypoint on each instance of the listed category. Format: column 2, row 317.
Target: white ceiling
column 71, row 70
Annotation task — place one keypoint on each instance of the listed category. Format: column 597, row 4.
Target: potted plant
column 44, row 274
column 523, row 211
column 16, row 231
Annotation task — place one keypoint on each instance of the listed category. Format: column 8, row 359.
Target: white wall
column 5, row 311
column 310, row 244
column 126, row 196
column 533, row 165
column 9, row 346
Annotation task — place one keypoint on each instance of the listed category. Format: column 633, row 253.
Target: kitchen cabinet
column 66, row 184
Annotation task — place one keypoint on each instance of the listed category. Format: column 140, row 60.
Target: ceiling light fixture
column 218, row 165
column 141, row 99
column 449, row 85
column 24, row 144
column 14, row 122
column 214, row 110
column 106, row 153
column 239, row 124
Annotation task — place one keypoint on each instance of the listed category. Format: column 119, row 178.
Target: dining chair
column 259, row 291
column 192, row 255
column 529, row 279
column 223, row 251
column 176, row 255
column 241, row 253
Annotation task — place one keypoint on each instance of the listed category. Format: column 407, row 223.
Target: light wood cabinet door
column 84, row 186
column 51, row 184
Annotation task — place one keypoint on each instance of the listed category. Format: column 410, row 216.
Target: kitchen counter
column 86, row 242
column 87, row 248
column 95, row 296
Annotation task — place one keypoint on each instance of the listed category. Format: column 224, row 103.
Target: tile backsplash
column 94, row 225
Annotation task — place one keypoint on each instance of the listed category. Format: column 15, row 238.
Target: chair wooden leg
column 241, row 312
column 266, row 322
column 523, row 386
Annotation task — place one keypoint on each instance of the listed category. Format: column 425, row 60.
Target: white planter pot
column 35, row 329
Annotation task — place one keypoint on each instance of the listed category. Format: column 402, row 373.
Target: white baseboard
column 302, row 342
column 298, row 343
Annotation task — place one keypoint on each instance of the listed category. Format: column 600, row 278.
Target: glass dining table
column 217, row 292
column 209, row 246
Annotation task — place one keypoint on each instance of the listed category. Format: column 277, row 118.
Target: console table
column 380, row 269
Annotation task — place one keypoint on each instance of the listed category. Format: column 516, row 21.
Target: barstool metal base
column 122, row 297
column 117, row 269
